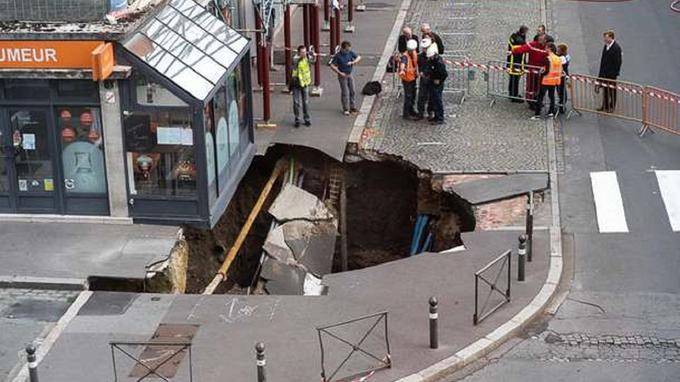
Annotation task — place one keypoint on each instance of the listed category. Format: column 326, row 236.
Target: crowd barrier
column 652, row 107
column 459, row 75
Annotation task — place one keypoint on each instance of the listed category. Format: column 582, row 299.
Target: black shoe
column 418, row 117
column 431, row 119
column 307, row 123
column 437, row 122
column 296, row 124
column 353, row 110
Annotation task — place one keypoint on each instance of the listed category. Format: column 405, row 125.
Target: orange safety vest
column 554, row 76
column 411, row 72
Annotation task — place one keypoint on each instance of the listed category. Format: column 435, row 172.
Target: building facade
column 149, row 118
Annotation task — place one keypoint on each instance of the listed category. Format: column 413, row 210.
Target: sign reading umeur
column 47, row 54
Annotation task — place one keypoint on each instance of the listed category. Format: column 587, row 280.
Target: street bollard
column 259, row 349
column 32, row 364
column 522, row 251
column 530, row 226
column 434, row 326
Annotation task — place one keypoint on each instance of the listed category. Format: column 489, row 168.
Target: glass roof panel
column 188, row 46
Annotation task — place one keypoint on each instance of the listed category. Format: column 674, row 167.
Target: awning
column 189, row 46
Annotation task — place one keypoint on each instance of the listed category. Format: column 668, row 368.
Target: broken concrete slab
column 294, row 203
column 313, row 244
column 276, row 247
column 490, row 190
column 282, row 279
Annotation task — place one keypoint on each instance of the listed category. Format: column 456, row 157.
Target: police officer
column 516, row 62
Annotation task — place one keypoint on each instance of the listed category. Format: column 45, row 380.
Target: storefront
column 164, row 135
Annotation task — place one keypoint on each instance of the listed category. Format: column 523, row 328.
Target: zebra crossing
column 609, row 206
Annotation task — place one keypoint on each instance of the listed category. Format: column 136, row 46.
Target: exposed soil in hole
column 383, row 201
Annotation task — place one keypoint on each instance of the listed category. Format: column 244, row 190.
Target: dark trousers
column 424, row 96
column 562, row 94
column 609, row 96
column 436, row 94
column 409, row 98
column 541, row 95
column 513, row 86
column 532, row 89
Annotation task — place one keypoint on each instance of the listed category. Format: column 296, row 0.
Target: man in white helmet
column 424, row 85
column 438, row 75
column 408, row 72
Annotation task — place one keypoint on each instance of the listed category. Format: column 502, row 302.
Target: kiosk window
column 160, row 153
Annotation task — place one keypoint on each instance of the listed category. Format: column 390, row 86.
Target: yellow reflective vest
column 303, row 72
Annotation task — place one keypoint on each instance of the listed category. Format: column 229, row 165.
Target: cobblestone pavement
column 27, row 315
column 477, row 138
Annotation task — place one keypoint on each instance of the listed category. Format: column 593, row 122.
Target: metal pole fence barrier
column 521, row 257
column 260, row 361
column 459, row 75
column 505, row 261
column 608, row 97
column 520, row 83
column 661, row 111
column 356, row 343
column 157, row 360
column 529, row 229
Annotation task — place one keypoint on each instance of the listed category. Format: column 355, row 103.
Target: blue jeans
column 347, row 92
column 301, row 98
column 436, row 92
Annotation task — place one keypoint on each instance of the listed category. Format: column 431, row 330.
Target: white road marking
column 669, row 184
column 608, row 203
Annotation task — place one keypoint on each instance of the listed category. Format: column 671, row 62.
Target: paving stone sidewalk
column 477, row 137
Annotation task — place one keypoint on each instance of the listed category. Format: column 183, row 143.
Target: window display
column 160, row 153
column 82, row 146
column 210, row 152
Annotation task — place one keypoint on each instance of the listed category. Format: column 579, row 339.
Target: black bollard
column 530, row 226
column 261, row 362
column 32, row 364
column 434, row 326
column 522, row 251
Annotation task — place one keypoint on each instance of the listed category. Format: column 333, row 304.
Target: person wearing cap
column 438, row 75
column 408, row 72
column 424, row 85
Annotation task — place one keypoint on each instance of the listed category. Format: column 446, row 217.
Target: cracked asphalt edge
column 547, row 300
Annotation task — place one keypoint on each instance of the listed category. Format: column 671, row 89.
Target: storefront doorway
column 52, row 160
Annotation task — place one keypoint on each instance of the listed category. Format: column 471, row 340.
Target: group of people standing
column 546, row 66
column 423, row 73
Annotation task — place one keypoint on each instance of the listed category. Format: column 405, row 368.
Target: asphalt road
column 621, row 320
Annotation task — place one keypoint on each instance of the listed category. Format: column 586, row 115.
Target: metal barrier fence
column 618, row 99
column 459, row 75
column 157, row 360
column 505, row 262
column 500, row 83
column 382, row 361
column 662, row 110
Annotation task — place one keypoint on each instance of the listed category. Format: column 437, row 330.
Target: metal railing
column 152, row 362
column 661, row 110
column 459, row 75
column 505, row 263
column 381, row 361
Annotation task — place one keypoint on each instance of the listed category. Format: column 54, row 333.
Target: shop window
column 160, row 153
column 150, row 93
column 210, row 152
column 82, row 150
column 78, row 89
column 234, row 136
column 221, row 135
column 27, row 89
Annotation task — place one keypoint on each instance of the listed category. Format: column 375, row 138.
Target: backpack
column 372, row 88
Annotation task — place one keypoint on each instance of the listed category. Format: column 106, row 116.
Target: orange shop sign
column 18, row 54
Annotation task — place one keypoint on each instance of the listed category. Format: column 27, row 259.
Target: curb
column 28, row 282
column 369, row 101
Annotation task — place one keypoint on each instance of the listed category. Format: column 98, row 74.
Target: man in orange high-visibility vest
column 552, row 77
column 408, row 72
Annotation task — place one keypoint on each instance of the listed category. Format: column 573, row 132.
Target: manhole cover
column 41, row 310
column 107, row 304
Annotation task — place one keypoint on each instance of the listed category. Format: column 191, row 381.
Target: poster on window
column 29, row 141
column 169, row 135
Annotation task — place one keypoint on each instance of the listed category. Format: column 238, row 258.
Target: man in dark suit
column 610, row 66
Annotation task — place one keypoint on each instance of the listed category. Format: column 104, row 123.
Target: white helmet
column 411, row 44
column 431, row 51
column 425, row 43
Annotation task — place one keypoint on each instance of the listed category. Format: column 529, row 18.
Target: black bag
column 294, row 83
column 372, row 88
